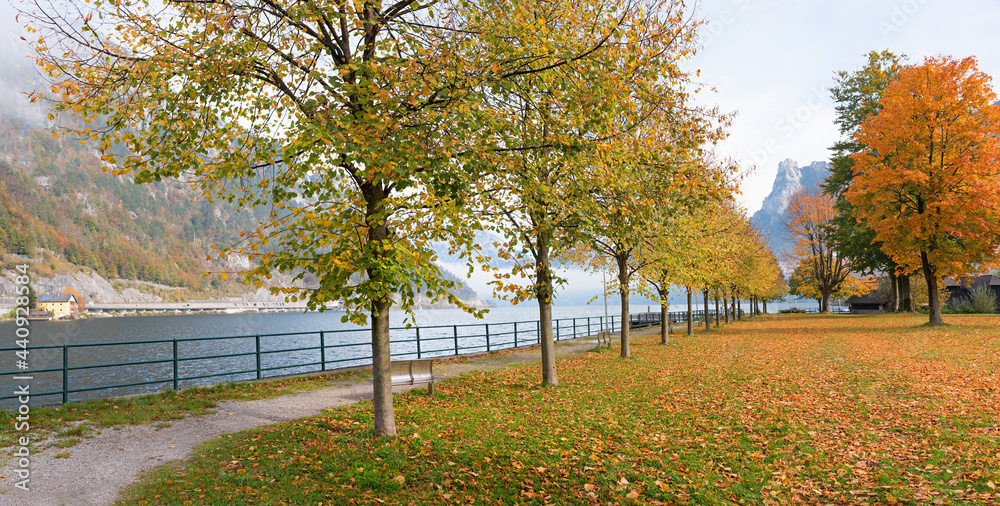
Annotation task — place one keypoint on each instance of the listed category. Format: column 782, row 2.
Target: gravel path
column 102, row 466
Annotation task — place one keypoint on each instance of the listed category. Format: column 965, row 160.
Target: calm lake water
column 347, row 345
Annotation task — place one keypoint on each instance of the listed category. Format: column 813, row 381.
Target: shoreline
column 121, row 310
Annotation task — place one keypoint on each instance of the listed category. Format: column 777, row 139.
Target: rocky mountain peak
column 791, row 178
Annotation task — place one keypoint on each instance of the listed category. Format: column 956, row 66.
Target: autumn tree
column 857, row 96
column 647, row 182
column 752, row 268
column 776, row 287
column 708, row 248
column 355, row 123
column 660, row 251
column 766, row 282
column 809, row 215
column 669, row 258
column 556, row 127
column 803, row 283
column 616, row 232
column 927, row 181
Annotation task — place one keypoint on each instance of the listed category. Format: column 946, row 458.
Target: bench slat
column 410, row 372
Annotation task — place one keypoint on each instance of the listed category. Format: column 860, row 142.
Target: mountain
column 770, row 220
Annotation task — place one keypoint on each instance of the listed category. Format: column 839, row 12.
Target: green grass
column 83, row 419
column 776, row 410
column 66, row 443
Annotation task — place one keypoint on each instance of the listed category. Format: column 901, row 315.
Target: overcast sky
column 772, row 62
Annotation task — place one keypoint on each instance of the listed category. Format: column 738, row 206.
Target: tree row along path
column 99, row 468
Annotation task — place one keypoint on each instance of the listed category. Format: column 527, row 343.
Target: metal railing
column 183, row 362
column 649, row 319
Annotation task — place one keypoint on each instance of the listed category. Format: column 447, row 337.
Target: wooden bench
column 413, row 372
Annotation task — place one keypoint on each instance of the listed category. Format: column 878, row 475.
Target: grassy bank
column 84, row 419
column 776, row 410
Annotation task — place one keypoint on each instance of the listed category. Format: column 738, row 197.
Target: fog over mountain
column 770, row 220
column 17, row 76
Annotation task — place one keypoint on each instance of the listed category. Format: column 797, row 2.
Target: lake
column 348, row 345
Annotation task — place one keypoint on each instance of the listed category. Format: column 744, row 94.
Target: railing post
column 175, row 364
column 455, row 329
column 487, row 337
column 65, row 388
column 257, row 340
column 557, row 330
column 418, row 342
column 574, row 328
column 322, row 349
column 588, row 327
column 515, row 334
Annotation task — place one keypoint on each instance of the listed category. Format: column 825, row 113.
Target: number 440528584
column 22, row 311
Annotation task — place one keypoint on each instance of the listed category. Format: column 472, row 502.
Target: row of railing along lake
column 78, row 371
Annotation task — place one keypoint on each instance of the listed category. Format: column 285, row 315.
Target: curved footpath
column 102, row 466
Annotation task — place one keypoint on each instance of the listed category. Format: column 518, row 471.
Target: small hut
column 865, row 304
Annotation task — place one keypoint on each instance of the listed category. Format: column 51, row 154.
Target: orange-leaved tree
column 928, row 184
column 809, row 214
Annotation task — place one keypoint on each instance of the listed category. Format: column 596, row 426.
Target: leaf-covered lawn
column 774, row 410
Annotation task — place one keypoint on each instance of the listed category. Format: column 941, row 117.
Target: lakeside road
column 99, row 468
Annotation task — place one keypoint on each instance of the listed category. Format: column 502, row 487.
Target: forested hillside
column 57, row 201
column 55, row 196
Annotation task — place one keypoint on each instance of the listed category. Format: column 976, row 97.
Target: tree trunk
column 544, row 292
column 378, row 234
column 664, row 317
column 736, row 311
column 548, row 343
column 724, row 302
column 385, row 418
column 893, row 305
column 623, row 289
column 690, row 315
column 765, row 306
column 708, row 321
column 905, row 294
column 716, row 309
column 825, row 303
column 930, row 275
